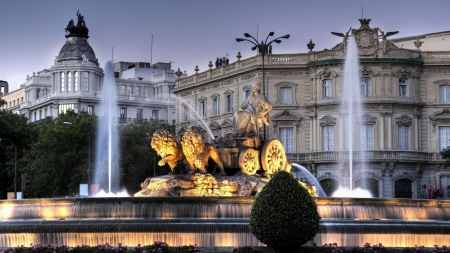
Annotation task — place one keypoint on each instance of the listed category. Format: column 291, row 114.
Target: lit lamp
column 15, row 166
column 263, row 47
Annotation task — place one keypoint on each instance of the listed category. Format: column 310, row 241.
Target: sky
column 194, row 32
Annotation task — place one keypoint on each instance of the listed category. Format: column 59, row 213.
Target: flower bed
column 157, row 247
column 367, row 248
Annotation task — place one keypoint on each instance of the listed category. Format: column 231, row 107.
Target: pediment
column 227, row 123
column 366, row 71
column 326, row 74
column 403, row 72
column 214, row 125
column 202, row 99
column 444, row 114
column 287, row 116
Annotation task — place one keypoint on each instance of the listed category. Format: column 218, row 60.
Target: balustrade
column 372, row 155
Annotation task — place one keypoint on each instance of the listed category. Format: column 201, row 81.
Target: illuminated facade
column 405, row 122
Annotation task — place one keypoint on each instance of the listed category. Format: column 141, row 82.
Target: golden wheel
column 249, row 161
column 273, row 158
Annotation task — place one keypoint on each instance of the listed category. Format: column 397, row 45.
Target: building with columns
column 405, row 102
column 76, row 82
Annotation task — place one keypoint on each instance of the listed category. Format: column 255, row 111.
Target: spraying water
column 310, row 179
column 199, row 118
column 107, row 156
column 351, row 101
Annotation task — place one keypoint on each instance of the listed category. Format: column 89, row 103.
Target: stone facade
column 75, row 81
column 405, row 104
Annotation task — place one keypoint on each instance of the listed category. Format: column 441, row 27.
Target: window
column 286, row 95
column 444, row 137
column 365, row 137
column 185, row 113
column 444, row 94
column 327, row 88
column 138, row 91
column 76, row 81
column 86, row 82
column 403, row 137
column 91, row 109
column 45, row 113
column 69, row 81
column 229, row 103
column 123, row 89
column 140, row 114
column 365, row 87
column 64, row 108
column 155, row 114
column 403, row 88
column 246, row 94
column 328, row 138
column 287, row 138
column 202, row 109
column 123, row 115
column 215, row 106
column 63, row 81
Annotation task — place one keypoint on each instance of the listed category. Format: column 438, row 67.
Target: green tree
column 284, row 216
column 137, row 159
column 13, row 127
column 58, row 161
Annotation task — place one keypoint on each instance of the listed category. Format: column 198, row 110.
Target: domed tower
column 76, row 72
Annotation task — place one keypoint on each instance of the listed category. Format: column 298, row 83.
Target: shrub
column 284, row 216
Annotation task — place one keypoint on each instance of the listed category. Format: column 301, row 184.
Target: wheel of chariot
column 249, row 161
column 273, row 157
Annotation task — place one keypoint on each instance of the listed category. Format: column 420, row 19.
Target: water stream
column 106, row 172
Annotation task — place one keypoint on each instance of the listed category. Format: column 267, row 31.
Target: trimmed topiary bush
column 284, row 216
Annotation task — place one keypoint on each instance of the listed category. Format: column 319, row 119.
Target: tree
column 13, row 127
column 284, row 216
column 58, row 160
column 137, row 159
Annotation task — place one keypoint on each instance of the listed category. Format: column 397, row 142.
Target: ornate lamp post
column 15, row 166
column 263, row 49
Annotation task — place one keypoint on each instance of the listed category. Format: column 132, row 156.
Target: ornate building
column 406, row 116
column 75, row 81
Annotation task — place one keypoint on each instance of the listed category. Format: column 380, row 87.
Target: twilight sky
column 193, row 32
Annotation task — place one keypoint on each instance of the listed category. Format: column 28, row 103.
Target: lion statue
column 198, row 152
column 168, row 147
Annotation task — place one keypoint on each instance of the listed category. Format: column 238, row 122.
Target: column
column 382, row 131
column 341, row 131
column 416, row 132
column 91, row 83
column 389, row 115
column 311, row 133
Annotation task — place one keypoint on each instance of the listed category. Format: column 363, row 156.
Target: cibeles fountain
column 198, row 203
column 194, row 162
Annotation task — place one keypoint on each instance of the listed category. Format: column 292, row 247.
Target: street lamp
column 89, row 159
column 263, row 49
column 15, row 166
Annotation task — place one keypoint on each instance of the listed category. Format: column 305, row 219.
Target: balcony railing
column 374, row 155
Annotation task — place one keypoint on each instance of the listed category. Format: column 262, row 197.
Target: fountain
column 212, row 220
column 107, row 155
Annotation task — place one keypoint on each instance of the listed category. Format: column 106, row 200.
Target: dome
column 74, row 49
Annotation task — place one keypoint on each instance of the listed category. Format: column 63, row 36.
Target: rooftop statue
column 252, row 114
column 80, row 28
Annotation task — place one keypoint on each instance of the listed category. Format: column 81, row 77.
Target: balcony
column 367, row 156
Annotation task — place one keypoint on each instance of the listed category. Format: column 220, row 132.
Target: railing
column 125, row 120
column 375, row 155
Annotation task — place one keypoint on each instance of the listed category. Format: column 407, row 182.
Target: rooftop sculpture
column 79, row 29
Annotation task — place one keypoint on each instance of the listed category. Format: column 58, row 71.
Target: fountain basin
column 215, row 221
